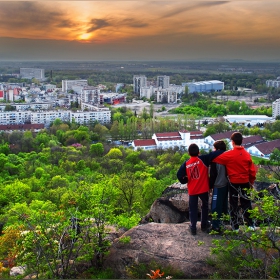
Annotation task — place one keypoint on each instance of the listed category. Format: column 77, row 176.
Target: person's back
column 195, row 173
column 238, row 162
column 241, row 172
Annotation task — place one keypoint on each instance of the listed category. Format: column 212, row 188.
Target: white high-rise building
column 139, row 82
column 30, row 73
column 69, row 84
column 276, row 108
column 163, row 81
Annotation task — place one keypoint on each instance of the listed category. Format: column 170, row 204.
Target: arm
column 207, row 159
column 182, row 175
column 223, row 158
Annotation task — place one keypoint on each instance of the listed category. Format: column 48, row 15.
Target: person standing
column 218, row 183
column 195, row 172
column 242, row 174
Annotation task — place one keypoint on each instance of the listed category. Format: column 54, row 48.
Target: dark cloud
column 198, row 5
column 97, row 23
column 133, row 23
column 21, row 15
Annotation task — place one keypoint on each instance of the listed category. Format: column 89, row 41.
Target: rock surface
column 172, row 206
column 168, row 245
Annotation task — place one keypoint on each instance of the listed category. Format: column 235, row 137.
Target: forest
column 72, row 177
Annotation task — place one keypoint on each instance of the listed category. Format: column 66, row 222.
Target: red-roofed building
column 146, row 144
column 21, row 127
column 264, row 149
column 181, row 139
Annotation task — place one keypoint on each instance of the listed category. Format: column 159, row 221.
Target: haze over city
column 140, row 30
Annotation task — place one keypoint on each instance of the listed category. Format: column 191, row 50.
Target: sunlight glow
column 85, row 36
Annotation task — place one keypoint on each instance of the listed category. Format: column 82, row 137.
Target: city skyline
column 140, row 30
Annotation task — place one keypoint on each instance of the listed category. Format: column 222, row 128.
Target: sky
column 187, row 30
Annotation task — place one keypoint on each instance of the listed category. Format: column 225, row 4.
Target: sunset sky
column 140, row 30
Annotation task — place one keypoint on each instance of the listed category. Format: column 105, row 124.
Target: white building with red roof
column 165, row 140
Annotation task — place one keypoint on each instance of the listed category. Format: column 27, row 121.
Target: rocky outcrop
column 164, row 244
column 172, row 206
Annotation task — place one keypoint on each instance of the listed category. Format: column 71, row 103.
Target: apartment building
column 30, row 73
column 276, row 108
column 14, row 117
column 273, row 83
column 139, row 81
column 100, row 115
column 163, row 81
column 70, row 84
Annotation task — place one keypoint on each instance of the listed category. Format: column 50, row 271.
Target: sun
column 85, row 36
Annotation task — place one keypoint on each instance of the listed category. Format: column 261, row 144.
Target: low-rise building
column 181, row 139
column 264, row 149
column 205, row 86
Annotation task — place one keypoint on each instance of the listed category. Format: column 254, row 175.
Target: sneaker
column 192, row 230
column 251, row 228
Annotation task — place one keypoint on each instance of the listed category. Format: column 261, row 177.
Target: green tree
column 97, row 149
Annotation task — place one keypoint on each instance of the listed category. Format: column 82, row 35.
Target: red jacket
column 197, row 173
column 239, row 165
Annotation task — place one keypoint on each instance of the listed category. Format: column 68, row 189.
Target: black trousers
column 193, row 209
column 238, row 192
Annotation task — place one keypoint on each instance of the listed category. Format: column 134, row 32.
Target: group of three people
column 231, row 172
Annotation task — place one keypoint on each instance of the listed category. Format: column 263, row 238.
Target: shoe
column 192, row 230
column 207, row 227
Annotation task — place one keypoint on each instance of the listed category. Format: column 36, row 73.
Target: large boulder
column 172, row 206
column 164, row 244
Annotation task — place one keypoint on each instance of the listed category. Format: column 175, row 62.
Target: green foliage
column 125, row 239
column 252, row 254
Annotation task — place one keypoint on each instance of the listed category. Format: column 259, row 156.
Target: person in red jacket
column 242, row 174
column 195, row 172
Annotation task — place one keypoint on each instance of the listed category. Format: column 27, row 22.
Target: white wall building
column 163, row 81
column 90, row 95
column 205, row 86
column 276, row 108
column 30, row 73
column 167, row 95
column 147, row 92
column 248, row 119
column 46, row 117
column 273, row 83
column 14, row 117
column 101, row 115
column 139, row 81
column 181, row 139
column 69, row 84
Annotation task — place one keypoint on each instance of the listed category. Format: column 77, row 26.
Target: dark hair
column 220, row 145
column 193, row 150
column 237, row 138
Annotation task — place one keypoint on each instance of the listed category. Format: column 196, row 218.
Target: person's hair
column 237, row 138
column 193, row 150
column 220, row 145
